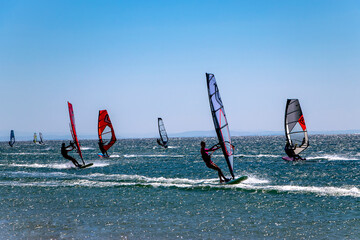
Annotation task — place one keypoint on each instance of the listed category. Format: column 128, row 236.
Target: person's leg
column 215, row 167
column 73, row 160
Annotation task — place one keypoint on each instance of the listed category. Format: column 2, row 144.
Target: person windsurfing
column 160, row 143
column 210, row 164
column 103, row 151
column 65, row 150
column 289, row 150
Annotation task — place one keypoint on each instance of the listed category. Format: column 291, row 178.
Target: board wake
column 291, row 159
column 237, row 180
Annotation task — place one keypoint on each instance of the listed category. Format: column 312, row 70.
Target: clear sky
column 144, row 59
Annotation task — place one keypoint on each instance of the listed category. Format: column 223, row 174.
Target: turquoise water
column 146, row 192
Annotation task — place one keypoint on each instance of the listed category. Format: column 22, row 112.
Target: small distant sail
column 41, row 138
column 163, row 141
column 73, row 131
column 12, row 138
column 220, row 121
column 35, row 138
column 106, row 132
column 295, row 127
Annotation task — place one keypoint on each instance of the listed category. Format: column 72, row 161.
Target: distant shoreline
column 205, row 134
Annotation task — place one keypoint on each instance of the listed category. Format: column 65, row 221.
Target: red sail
column 105, row 130
column 73, row 130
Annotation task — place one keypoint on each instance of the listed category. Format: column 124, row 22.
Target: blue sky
column 144, row 59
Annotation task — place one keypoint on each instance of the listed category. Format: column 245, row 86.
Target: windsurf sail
column 105, row 130
column 35, row 138
column 220, row 121
column 295, row 127
column 12, row 138
column 73, row 131
column 41, row 138
column 163, row 135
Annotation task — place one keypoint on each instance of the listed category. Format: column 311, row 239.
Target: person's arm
column 70, row 148
column 215, row 147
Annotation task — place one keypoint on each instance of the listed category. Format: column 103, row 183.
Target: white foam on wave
column 53, row 165
column 100, row 164
column 26, row 153
column 252, row 183
column 255, row 180
column 173, row 147
column 331, row 191
column 152, row 155
column 257, row 155
column 38, row 174
column 86, row 148
column 334, row 157
column 38, row 165
column 114, row 156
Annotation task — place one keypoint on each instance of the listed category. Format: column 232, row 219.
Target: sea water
column 144, row 191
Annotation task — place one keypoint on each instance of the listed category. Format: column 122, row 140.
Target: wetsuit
column 64, row 153
column 290, row 152
column 158, row 141
column 210, row 164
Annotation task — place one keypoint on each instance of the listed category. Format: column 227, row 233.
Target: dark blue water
column 146, row 192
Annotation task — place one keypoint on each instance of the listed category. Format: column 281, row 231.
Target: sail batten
column 220, row 121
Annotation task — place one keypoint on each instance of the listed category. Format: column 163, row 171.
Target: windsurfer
column 103, row 151
column 289, row 150
column 210, row 164
column 160, row 143
column 65, row 150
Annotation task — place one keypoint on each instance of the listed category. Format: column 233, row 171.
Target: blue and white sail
column 12, row 138
column 220, row 121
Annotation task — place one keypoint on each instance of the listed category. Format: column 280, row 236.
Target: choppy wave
column 334, row 157
column 258, row 155
column 330, row 191
column 52, row 165
column 86, row 148
column 26, row 153
column 114, row 180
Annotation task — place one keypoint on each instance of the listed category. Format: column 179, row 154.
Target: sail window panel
column 216, row 104
column 106, row 135
column 297, row 135
column 222, row 118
